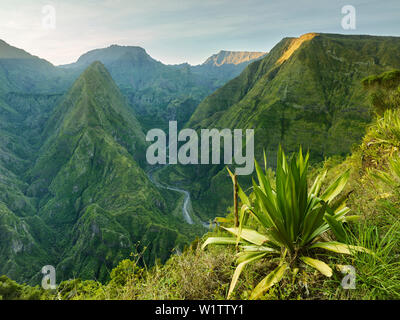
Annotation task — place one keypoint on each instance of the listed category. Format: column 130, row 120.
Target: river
column 186, row 199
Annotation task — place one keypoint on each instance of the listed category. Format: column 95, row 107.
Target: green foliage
column 192, row 275
column 382, row 140
column 122, row 274
column 376, row 276
column 314, row 98
column 73, row 192
column 10, row 290
column 392, row 177
column 384, row 90
column 293, row 219
column 157, row 92
column 388, row 80
column 78, row 289
column 82, row 200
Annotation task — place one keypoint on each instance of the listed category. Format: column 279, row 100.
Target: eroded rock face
column 233, row 57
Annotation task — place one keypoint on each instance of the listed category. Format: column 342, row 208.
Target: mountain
column 29, row 89
column 224, row 66
column 371, row 191
column 10, row 52
column 84, row 202
column 233, row 57
column 131, row 67
column 23, row 72
column 111, row 54
column 73, row 190
column 306, row 91
column 94, row 193
column 158, row 92
column 305, row 88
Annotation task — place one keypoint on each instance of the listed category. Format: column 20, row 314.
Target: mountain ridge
column 116, row 51
column 311, row 97
column 87, row 187
column 233, row 57
column 158, row 92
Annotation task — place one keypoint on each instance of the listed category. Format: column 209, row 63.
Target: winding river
column 186, row 199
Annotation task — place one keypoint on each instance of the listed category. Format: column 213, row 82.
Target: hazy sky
column 176, row 31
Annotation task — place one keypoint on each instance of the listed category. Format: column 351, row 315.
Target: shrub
column 294, row 220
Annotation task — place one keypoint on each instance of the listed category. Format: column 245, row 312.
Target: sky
column 178, row 31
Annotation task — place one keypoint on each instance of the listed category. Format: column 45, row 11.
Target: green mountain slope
column 306, row 91
column 224, row 66
column 158, row 92
column 371, row 194
column 297, row 94
column 73, row 190
column 93, row 192
column 25, row 73
column 29, row 88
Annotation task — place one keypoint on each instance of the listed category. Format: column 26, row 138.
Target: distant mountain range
column 24, row 73
column 233, row 57
column 306, row 87
column 160, row 92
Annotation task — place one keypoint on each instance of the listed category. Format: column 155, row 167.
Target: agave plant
column 293, row 219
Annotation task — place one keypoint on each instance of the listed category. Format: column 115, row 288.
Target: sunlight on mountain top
column 233, row 57
column 294, row 45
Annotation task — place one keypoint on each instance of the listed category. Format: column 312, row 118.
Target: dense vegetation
column 89, row 199
column 307, row 91
column 73, row 187
column 371, row 193
column 157, row 92
column 75, row 194
column 294, row 220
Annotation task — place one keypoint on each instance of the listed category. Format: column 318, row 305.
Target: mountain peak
column 9, row 52
column 111, row 54
column 95, row 76
column 233, row 57
column 94, row 101
column 295, row 44
column 95, row 66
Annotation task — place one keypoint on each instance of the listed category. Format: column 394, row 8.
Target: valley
column 307, row 91
column 186, row 194
column 77, row 191
column 187, row 151
column 72, row 162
